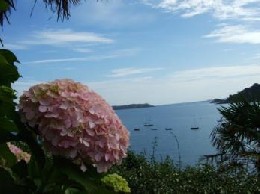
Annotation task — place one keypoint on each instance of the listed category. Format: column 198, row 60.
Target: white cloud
column 83, row 50
column 77, row 40
column 221, row 9
column 64, row 36
column 127, row 51
column 257, row 56
column 235, row 11
column 111, row 14
column 114, row 54
column 131, row 71
column 72, row 59
column 235, row 34
column 217, row 73
column 69, row 68
column 15, row 46
column 181, row 86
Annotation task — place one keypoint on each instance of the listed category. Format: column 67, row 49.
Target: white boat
column 148, row 124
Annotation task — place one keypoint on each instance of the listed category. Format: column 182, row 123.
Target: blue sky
column 137, row 51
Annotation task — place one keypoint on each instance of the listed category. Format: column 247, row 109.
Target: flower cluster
column 76, row 123
column 118, row 183
column 20, row 154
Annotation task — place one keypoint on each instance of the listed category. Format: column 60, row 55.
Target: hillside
column 250, row 94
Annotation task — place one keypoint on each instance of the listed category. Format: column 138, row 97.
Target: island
column 119, row 107
column 250, row 94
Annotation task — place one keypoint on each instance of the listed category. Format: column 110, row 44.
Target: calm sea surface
column 179, row 118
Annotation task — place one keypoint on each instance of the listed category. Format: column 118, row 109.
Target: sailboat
column 194, row 126
column 148, row 123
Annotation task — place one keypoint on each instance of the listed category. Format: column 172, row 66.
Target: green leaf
column 3, row 6
column 9, row 56
column 8, row 70
column 3, row 59
column 7, row 136
column 7, row 183
column 20, row 169
column 7, row 156
column 89, row 180
column 73, row 191
column 8, row 73
column 7, row 94
column 28, row 136
column 7, row 105
column 7, row 125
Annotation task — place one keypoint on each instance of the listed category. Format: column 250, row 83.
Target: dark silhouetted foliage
column 61, row 7
column 237, row 136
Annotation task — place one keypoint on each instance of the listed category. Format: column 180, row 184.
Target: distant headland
column 119, row 107
column 249, row 94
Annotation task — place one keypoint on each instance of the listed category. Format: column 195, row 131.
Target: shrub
column 145, row 176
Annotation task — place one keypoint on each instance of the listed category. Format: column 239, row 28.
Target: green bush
column 145, row 176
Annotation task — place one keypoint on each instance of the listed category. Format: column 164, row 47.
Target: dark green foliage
column 7, row 158
column 237, row 136
column 249, row 94
column 7, row 183
column 8, row 75
column 4, row 6
column 5, row 10
column 60, row 7
column 164, row 177
column 8, row 70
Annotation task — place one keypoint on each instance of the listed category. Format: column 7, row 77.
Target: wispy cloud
column 77, row 40
column 233, row 11
column 114, row 54
column 123, row 72
column 235, row 34
column 83, row 50
column 127, row 51
column 15, row 46
column 181, row 86
column 257, row 56
column 72, row 59
column 220, row 9
column 64, row 36
column 226, row 72
column 111, row 14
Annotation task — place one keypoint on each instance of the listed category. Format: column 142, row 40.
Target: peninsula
column 119, row 107
column 249, row 94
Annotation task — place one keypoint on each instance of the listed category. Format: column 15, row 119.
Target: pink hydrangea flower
column 76, row 123
column 19, row 153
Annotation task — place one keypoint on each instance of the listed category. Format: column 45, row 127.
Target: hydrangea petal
column 76, row 123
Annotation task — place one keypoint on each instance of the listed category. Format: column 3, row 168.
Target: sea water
column 171, row 134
